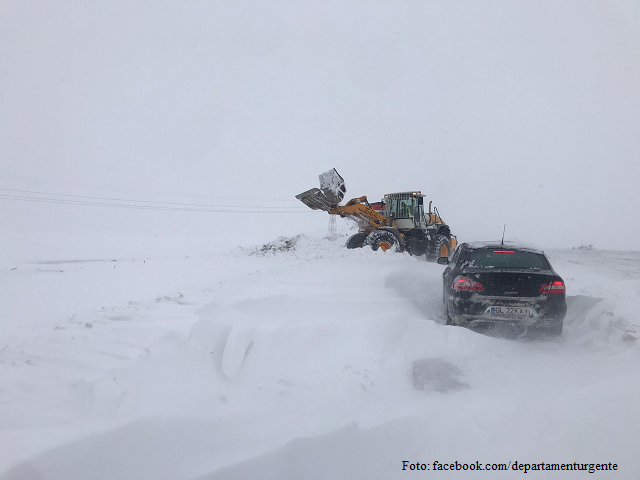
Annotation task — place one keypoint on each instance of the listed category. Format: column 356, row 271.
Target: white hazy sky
column 524, row 113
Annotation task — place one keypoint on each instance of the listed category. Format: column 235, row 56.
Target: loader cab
column 406, row 209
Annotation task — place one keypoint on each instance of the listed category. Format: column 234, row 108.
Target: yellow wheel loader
column 399, row 221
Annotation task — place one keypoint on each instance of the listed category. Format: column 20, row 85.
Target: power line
column 22, row 198
column 93, row 186
column 144, row 201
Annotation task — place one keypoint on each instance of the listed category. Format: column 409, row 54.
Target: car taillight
column 465, row 284
column 555, row 287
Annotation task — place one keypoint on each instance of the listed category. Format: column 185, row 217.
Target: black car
column 490, row 283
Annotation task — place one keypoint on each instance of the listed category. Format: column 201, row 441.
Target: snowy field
column 115, row 369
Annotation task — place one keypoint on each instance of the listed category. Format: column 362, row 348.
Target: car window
column 491, row 258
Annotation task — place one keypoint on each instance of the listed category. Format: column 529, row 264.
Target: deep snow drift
column 114, row 369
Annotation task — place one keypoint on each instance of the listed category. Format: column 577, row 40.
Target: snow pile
column 281, row 244
column 302, row 247
column 603, row 296
column 597, row 323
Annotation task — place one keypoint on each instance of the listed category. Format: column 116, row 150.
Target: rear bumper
column 467, row 320
column 471, row 312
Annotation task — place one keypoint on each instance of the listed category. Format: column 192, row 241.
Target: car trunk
column 504, row 282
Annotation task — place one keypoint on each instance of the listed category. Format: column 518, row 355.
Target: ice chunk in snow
column 235, row 350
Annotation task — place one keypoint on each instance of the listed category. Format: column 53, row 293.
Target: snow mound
column 598, row 323
column 583, row 247
column 281, row 244
column 303, row 247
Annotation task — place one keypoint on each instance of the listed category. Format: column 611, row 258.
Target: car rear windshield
column 506, row 259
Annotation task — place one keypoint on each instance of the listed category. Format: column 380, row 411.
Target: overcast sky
column 524, row 113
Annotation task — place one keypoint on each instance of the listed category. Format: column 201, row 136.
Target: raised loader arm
column 359, row 209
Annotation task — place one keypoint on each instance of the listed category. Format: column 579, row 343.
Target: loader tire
column 394, row 231
column 382, row 240
column 356, row 240
column 442, row 248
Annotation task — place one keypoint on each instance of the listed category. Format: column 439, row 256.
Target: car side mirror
column 443, row 261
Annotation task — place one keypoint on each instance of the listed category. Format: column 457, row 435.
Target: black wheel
column 448, row 320
column 382, row 239
column 441, row 248
column 447, row 317
column 356, row 240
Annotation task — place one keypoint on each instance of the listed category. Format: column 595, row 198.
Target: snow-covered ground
column 113, row 369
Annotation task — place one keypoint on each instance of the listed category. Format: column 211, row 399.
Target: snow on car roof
column 498, row 245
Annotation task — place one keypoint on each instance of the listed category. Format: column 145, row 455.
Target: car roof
column 499, row 245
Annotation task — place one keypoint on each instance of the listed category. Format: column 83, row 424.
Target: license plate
column 511, row 311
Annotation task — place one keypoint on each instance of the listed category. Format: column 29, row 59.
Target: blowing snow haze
column 517, row 113
column 170, row 311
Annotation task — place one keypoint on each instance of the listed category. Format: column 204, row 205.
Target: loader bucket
column 315, row 200
column 328, row 196
column 332, row 185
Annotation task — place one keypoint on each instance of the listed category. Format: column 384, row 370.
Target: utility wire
column 61, row 201
column 145, row 201
column 93, row 186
